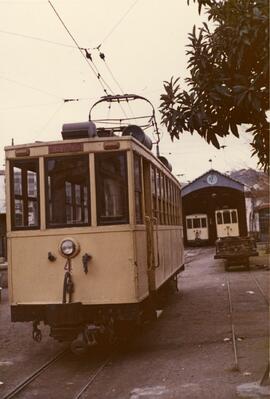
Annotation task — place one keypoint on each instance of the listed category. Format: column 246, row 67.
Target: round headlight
column 68, row 248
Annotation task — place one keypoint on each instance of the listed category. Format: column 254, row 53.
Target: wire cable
column 51, row 117
column 102, row 56
column 36, row 38
column 98, row 76
column 118, row 23
column 29, row 87
column 2, row 109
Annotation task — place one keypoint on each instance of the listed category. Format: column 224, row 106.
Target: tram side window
column 154, row 191
column 219, row 218
column 112, row 188
column 158, row 197
column 138, row 188
column 67, row 191
column 234, row 217
column 24, row 194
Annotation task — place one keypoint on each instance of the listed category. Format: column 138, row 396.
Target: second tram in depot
column 197, row 226
column 94, row 230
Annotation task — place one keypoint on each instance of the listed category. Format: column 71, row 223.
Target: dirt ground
column 186, row 354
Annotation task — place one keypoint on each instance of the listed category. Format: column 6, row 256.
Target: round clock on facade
column 212, row 179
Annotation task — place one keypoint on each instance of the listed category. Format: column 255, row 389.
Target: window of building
column 67, row 191
column 111, row 188
column 24, row 194
column 138, row 188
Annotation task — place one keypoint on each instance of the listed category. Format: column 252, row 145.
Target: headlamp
column 68, row 248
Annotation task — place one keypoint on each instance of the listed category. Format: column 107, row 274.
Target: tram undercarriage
column 88, row 325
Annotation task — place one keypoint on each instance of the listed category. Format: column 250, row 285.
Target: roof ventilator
column 136, row 132
column 79, row 130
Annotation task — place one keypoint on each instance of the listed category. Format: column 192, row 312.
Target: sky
column 144, row 42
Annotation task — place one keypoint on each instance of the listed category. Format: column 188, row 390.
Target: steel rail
column 92, row 378
column 236, row 364
column 21, row 386
column 259, row 287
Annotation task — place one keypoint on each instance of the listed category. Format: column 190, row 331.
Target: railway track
column 236, row 362
column 230, row 303
column 21, row 389
column 263, row 294
column 22, row 385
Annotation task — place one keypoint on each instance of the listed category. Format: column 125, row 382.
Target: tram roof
column 212, row 178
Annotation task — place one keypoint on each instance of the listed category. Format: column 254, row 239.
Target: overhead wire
column 87, row 54
column 103, row 58
column 98, row 76
column 51, row 117
column 30, row 87
column 2, row 109
column 118, row 23
column 87, row 57
column 36, row 38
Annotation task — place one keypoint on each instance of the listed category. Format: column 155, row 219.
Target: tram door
column 227, row 223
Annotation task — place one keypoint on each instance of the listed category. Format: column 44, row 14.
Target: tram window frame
column 203, row 223
column 198, row 222
column 234, row 217
column 85, row 200
column 158, row 188
column 25, row 196
column 173, row 203
column 138, row 189
column 165, row 201
column 189, row 223
column 111, row 220
column 169, row 202
column 227, row 217
column 154, row 191
column 219, row 217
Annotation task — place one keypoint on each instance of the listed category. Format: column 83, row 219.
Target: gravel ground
column 187, row 353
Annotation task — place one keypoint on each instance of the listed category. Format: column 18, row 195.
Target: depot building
column 206, row 195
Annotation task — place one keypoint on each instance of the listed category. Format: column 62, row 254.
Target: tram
column 227, row 223
column 94, row 229
column 197, row 229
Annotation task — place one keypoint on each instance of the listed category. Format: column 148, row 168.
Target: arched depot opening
column 203, row 198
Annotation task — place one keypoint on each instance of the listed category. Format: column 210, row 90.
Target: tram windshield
column 67, row 191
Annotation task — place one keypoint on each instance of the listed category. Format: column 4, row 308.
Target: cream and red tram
column 94, row 230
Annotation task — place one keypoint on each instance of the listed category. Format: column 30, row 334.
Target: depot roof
column 212, row 178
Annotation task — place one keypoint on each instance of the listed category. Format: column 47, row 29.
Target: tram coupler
column 36, row 333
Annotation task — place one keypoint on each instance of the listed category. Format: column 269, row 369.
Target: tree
column 229, row 77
